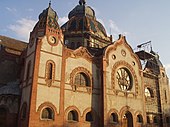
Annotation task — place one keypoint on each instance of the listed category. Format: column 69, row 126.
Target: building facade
column 77, row 76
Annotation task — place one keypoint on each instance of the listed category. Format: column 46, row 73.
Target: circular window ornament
column 124, row 79
column 52, row 40
column 123, row 52
column 113, row 57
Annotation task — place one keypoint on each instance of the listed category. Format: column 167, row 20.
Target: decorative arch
column 130, row 69
column 127, row 116
column 113, row 116
column 113, row 47
column 72, row 108
column 47, row 105
column 93, row 114
column 139, row 117
column 80, row 70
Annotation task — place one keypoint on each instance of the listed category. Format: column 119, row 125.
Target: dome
column 82, row 18
column 82, row 10
column 48, row 12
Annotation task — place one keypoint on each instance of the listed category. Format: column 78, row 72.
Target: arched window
column 47, row 114
column 139, row 118
column 81, row 79
column 23, row 111
column 28, row 70
column 73, row 115
column 50, row 67
column 49, row 71
column 89, row 117
column 165, row 96
column 149, row 92
column 114, row 118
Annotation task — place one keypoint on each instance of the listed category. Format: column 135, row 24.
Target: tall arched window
column 81, row 79
column 28, row 70
column 89, row 117
column 47, row 114
column 73, row 115
column 49, row 71
column 114, row 118
column 50, row 66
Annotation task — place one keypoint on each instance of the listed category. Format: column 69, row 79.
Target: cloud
column 113, row 27
column 11, row 9
column 30, row 10
column 62, row 20
column 22, row 28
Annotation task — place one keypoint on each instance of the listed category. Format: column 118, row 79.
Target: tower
column 42, row 61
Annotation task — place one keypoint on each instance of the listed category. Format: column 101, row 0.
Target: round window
column 124, row 79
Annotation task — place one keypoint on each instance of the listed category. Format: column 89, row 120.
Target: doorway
column 127, row 120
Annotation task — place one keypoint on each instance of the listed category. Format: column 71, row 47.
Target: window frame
column 51, row 114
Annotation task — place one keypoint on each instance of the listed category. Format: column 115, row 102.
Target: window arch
column 149, row 92
column 23, row 111
column 89, row 117
column 81, row 79
column 47, row 114
column 139, row 118
column 114, row 118
column 73, row 115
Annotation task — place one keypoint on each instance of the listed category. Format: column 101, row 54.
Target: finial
column 50, row 3
column 82, row 2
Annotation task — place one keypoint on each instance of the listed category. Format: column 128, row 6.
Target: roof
column 11, row 88
column 12, row 43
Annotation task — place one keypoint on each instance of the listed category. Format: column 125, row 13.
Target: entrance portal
column 127, row 120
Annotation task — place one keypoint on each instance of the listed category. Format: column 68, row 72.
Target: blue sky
column 140, row 21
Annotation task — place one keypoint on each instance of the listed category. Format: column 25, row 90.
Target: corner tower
column 83, row 29
column 42, row 73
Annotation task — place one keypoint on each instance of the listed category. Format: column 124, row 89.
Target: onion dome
column 82, row 10
column 48, row 12
column 83, row 24
column 47, row 24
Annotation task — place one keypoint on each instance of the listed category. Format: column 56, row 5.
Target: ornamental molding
column 80, row 52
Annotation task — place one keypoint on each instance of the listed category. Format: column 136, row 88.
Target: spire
column 82, row 2
column 50, row 3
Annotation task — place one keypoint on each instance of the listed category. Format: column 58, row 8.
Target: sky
column 140, row 21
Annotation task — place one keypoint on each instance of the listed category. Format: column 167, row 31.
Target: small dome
column 82, row 10
column 48, row 12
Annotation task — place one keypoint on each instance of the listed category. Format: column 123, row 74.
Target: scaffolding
column 149, row 63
